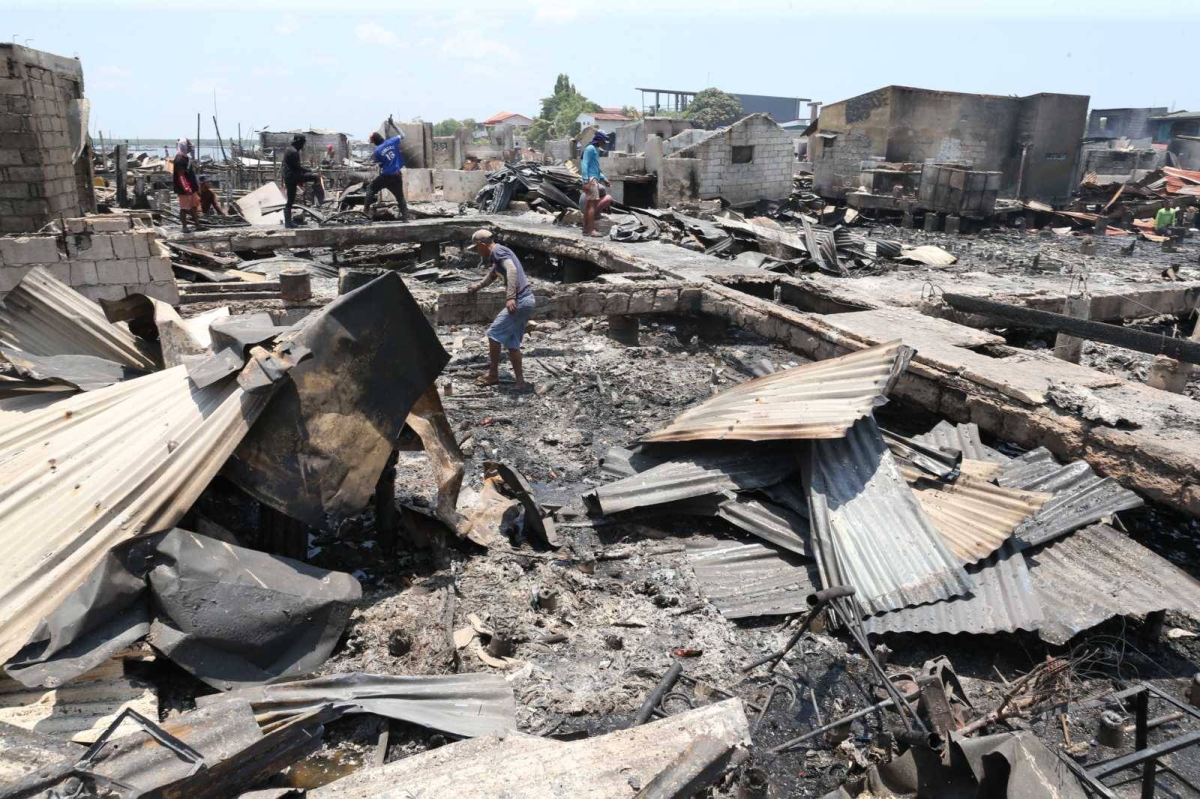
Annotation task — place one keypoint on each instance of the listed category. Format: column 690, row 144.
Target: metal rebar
column 666, row 684
column 884, row 705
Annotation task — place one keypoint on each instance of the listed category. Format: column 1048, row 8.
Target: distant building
column 314, row 145
column 1105, row 124
column 607, row 120
column 780, row 109
column 1032, row 141
column 507, row 118
column 1176, row 123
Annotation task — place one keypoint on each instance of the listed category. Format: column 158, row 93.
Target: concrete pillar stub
column 1070, row 348
column 623, row 330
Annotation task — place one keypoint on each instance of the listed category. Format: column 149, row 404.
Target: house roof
column 502, row 116
column 601, row 116
column 1174, row 115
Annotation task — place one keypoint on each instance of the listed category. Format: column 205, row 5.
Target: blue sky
column 149, row 67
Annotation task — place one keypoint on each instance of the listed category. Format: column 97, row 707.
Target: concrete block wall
column 576, row 300
column 38, row 181
column 559, row 149
column 101, row 257
column 461, row 186
column 767, row 176
column 418, row 184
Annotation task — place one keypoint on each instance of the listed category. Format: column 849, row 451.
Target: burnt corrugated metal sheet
column 43, row 316
column 1081, row 497
column 1097, row 573
column 1003, row 601
column 964, row 438
column 81, row 709
column 868, row 529
column 97, row 468
column 466, row 705
column 710, row 471
column 974, row 516
column 814, row 401
column 770, row 522
column 747, row 580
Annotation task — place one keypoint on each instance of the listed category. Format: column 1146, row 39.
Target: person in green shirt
column 1164, row 220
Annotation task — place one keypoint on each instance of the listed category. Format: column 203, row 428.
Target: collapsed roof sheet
column 43, row 316
column 81, row 709
column 964, row 438
column 746, row 580
column 868, row 529
column 319, row 449
column 1080, row 496
column 1098, row 573
column 466, row 705
column 696, row 474
column 817, row 400
column 97, row 468
column 974, row 516
column 1003, row 601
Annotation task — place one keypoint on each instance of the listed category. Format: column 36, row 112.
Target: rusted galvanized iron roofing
column 814, row 401
column 974, row 516
column 747, row 580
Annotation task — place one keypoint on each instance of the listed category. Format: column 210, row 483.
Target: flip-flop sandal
column 484, row 381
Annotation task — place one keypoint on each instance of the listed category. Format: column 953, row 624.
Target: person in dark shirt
column 387, row 154
column 209, row 204
column 295, row 173
column 509, row 327
column 187, row 188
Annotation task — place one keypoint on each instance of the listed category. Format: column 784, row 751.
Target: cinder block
column 76, row 225
column 10, row 276
column 165, row 291
column 60, row 271
column 112, row 224
column 31, row 250
column 123, row 272
column 141, row 244
column 160, row 269
column 103, row 292
column 122, row 246
column 14, row 191
column 83, row 273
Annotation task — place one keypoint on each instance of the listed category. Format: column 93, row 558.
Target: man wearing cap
column 591, row 177
column 509, row 327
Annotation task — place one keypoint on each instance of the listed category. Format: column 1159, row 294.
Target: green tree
column 559, row 113
column 447, row 127
column 714, row 108
column 631, row 112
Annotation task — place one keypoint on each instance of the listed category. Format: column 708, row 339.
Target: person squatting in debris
column 187, row 187
column 295, row 173
column 387, row 154
column 209, row 204
column 591, row 177
column 509, row 327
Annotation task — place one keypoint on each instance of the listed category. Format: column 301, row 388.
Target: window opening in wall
column 743, row 155
column 1103, row 123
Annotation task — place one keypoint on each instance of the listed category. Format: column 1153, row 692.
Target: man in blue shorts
column 509, row 327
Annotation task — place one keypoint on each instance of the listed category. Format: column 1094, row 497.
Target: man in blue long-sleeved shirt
column 387, row 154
column 591, row 177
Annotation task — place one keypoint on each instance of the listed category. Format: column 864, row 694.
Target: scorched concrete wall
column 103, row 257
column 39, row 94
column 767, row 175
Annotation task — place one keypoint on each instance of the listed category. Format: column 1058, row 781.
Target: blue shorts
column 509, row 328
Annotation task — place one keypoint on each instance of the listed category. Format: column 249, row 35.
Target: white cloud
column 324, row 61
column 288, row 26
column 270, row 71
column 471, row 44
column 556, row 12
column 374, row 33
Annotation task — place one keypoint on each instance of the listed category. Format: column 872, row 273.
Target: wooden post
column 1070, row 348
column 119, row 162
column 1168, row 373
